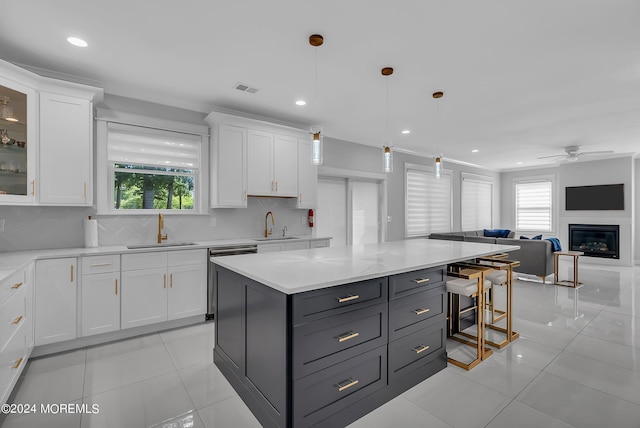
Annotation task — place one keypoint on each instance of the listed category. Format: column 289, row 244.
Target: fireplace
column 595, row 240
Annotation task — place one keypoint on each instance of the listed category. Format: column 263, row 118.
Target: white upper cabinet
column 255, row 158
column 66, row 150
column 307, row 176
column 46, row 156
column 228, row 178
column 260, row 164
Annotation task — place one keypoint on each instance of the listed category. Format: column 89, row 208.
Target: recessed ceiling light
column 301, row 103
column 518, row 163
column 76, row 41
column 406, row 131
column 475, row 151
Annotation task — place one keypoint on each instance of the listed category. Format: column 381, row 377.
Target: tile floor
column 576, row 364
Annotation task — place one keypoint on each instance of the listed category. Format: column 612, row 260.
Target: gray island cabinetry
column 321, row 337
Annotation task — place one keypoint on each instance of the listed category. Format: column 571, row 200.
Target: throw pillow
column 497, row 233
column 537, row 237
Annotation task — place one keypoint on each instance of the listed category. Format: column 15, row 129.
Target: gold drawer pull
column 421, row 280
column 420, row 348
column 17, row 364
column 348, row 298
column 351, row 383
column 17, row 320
column 100, row 264
column 348, row 336
column 16, row 286
column 421, row 311
column 170, row 280
column 116, row 286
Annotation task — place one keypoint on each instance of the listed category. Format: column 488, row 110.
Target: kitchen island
column 321, row 337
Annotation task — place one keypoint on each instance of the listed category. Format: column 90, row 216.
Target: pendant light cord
column 387, row 112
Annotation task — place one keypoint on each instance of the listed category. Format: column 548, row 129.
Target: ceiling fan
column 573, row 153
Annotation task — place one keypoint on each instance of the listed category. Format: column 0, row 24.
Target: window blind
column 428, row 203
column 533, row 206
column 152, row 147
column 477, row 204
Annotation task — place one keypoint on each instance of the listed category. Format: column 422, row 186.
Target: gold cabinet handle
column 17, row 364
column 421, row 280
column 116, row 286
column 85, row 190
column 420, row 348
column 348, row 336
column 16, row 286
column 71, row 273
column 276, row 185
column 244, row 198
column 421, row 311
column 349, row 383
column 300, row 197
column 33, row 187
column 171, row 280
column 100, row 264
column 348, row 298
column 164, row 280
column 272, row 185
column 17, row 320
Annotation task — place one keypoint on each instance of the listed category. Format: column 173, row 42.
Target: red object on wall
column 310, row 218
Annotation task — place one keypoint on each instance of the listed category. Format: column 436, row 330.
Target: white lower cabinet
column 161, row 286
column 100, row 291
column 320, row 243
column 16, row 329
column 55, row 300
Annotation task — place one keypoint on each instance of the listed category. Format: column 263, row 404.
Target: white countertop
column 12, row 261
column 303, row 270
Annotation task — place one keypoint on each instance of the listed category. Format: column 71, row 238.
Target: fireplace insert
column 595, row 240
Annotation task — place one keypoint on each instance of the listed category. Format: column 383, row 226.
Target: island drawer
column 322, row 343
column 414, row 312
column 10, row 285
column 13, row 313
column 415, row 281
column 416, row 350
column 326, row 392
column 313, row 305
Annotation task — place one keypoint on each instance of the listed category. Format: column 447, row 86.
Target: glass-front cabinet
column 17, row 142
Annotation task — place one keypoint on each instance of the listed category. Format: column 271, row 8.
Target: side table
column 567, row 282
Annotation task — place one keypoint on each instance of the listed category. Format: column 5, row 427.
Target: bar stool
column 465, row 281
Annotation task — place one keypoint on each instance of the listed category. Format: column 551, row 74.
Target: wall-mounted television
column 588, row 198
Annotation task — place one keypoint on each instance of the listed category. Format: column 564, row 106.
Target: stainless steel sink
column 161, row 245
column 277, row 238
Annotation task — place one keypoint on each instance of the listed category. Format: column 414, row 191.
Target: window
column 534, row 205
column 154, row 169
column 428, row 202
column 477, row 202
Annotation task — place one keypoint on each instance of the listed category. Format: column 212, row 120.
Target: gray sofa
column 535, row 256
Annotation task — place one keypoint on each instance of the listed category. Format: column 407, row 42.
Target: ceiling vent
column 245, row 88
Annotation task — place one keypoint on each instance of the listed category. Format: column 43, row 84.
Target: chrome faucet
column 161, row 237
column 268, row 232
column 284, row 231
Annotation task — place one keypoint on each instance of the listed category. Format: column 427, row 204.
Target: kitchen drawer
column 11, row 284
column 416, row 350
column 411, row 313
column 13, row 358
column 13, row 313
column 322, row 343
column 416, row 281
column 317, row 396
column 150, row 260
column 187, row 257
column 319, row 244
column 330, row 301
column 101, row 264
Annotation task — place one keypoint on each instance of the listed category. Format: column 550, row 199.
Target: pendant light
column 317, row 148
column 387, row 152
column 438, row 158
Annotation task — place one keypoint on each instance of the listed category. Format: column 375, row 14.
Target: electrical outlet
column 1, row 225
column 388, row 219
column 212, row 222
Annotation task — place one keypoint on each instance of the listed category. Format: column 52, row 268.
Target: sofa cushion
column 485, row 239
column 497, row 233
column 538, row 237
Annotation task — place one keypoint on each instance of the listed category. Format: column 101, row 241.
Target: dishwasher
column 211, row 283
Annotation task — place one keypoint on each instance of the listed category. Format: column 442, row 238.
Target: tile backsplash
column 32, row 228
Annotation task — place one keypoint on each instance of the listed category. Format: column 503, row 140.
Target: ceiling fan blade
column 550, row 157
column 599, row 152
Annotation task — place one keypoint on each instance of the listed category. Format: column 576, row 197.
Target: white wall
column 604, row 171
